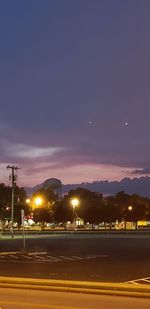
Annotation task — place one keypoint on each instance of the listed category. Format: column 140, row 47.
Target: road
column 23, row 299
column 91, row 257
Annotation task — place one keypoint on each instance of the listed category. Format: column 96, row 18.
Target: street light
column 38, row 201
column 74, row 202
column 130, row 208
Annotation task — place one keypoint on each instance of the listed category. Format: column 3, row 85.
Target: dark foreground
column 106, row 258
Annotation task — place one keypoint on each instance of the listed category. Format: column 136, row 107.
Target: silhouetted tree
column 45, row 212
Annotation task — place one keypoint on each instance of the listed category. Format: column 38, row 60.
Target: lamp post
column 13, row 178
column 74, row 202
column 128, row 215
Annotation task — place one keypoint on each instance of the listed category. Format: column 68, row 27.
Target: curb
column 9, row 252
column 22, row 251
column 116, row 289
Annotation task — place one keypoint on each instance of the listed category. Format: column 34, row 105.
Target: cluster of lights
column 37, row 201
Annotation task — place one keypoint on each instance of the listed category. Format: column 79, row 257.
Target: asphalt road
column 22, row 299
column 106, row 258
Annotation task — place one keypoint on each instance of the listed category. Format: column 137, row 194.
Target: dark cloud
column 144, row 171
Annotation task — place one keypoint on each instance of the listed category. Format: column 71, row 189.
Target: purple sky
column 75, row 89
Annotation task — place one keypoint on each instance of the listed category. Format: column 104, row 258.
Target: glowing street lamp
column 74, row 202
column 38, row 201
column 28, row 201
column 130, row 208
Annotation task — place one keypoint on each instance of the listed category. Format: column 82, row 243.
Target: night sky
column 74, row 89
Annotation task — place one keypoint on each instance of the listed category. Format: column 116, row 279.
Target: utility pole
column 13, row 178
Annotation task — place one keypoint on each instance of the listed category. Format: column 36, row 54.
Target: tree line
column 93, row 207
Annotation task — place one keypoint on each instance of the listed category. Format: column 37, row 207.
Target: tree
column 6, row 202
column 45, row 211
column 111, row 210
column 89, row 206
column 63, row 211
column 140, row 208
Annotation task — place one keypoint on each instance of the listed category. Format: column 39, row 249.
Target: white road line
column 36, row 253
column 53, row 258
column 133, row 282
column 145, row 280
column 26, row 256
column 40, row 257
column 13, row 256
column 66, row 258
column 136, row 280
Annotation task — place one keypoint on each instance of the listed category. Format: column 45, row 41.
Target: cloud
column 37, row 173
column 72, row 157
column 144, row 171
column 30, row 152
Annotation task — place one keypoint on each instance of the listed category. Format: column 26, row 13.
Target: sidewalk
column 116, row 289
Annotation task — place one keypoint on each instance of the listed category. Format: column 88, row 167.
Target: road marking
column 40, row 257
column 66, row 258
column 146, row 280
column 53, row 258
column 26, row 256
column 138, row 281
column 13, row 256
column 132, row 282
column 36, row 253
